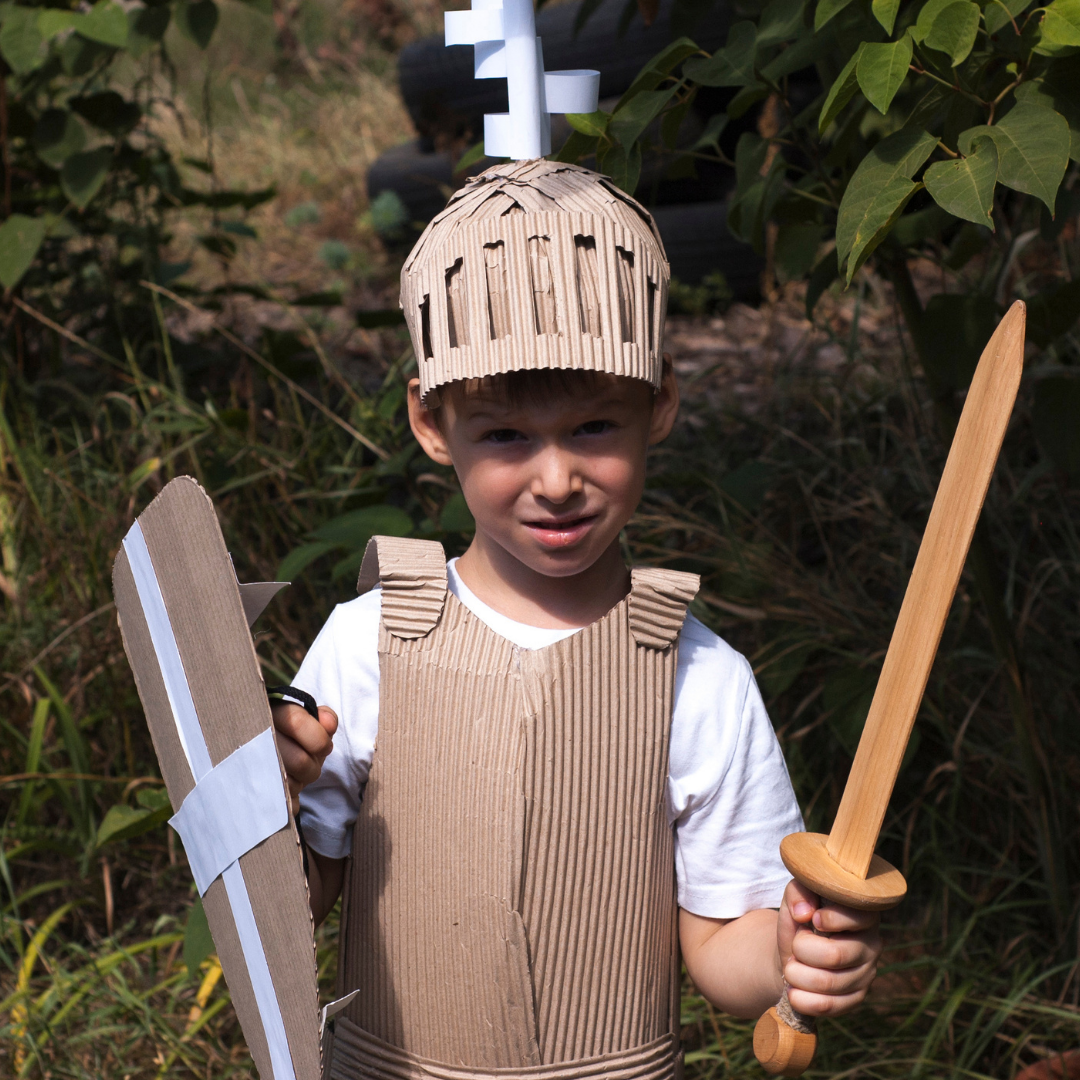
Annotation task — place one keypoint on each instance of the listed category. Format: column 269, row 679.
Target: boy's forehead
column 472, row 399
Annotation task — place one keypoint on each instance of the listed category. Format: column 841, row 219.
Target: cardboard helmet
column 536, row 264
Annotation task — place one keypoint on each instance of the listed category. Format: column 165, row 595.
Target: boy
column 561, row 748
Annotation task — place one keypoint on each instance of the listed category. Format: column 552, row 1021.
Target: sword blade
column 929, row 595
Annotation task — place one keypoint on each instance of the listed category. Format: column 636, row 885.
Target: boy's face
column 550, row 484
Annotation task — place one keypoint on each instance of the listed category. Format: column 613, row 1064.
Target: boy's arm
column 325, row 876
column 741, row 965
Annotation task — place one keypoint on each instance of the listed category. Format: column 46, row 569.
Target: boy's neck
column 520, row 593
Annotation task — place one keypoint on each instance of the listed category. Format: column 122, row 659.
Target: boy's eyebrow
column 608, row 400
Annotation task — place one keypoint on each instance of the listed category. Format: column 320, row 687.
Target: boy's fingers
column 815, row 980
column 801, row 901
column 296, row 723
column 328, row 720
column 836, row 952
column 811, row 1004
column 300, row 766
column 835, row 919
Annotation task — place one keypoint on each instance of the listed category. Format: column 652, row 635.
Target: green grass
column 803, row 513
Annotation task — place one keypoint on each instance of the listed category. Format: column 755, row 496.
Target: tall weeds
column 802, row 509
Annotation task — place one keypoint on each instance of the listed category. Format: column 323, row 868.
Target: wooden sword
column 842, row 866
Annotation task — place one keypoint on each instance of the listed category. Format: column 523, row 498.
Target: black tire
column 443, row 98
column 697, row 242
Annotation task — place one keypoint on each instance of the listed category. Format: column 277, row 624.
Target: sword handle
column 784, row 1040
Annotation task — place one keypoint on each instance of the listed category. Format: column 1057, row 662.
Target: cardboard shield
column 184, row 621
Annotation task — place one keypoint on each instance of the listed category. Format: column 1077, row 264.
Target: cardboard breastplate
column 510, row 905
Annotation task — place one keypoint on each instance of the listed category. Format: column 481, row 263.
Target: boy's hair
column 537, row 265
column 522, row 389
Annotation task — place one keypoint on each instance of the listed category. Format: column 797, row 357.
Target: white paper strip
column 469, row 27
column 168, row 655
column 572, row 91
column 333, row 1009
column 503, row 34
column 198, row 757
column 236, row 805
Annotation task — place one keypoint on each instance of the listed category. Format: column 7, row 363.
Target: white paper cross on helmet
column 507, row 47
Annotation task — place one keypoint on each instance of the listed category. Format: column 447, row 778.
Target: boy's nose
column 556, row 477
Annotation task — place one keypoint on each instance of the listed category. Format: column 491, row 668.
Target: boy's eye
column 503, row 435
column 594, row 427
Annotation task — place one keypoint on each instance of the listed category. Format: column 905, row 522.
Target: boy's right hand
column 303, row 743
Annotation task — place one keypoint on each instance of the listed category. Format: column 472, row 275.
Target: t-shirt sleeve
column 341, row 670
column 730, row 795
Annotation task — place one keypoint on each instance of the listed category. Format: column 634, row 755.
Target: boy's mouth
column 560, row 532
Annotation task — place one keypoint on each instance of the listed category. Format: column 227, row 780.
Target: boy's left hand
column 828, row 972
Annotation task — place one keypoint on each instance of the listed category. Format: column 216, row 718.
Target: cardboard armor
column 510, row 906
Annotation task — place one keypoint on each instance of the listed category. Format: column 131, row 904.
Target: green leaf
column 1061, row 23
column 1056, row 419
column 882, row 69
column 660, row 67
column 356, row 528
column 124, row 822
column 1052, row 312
column 198, row 942
column 53, row 21
column 84, row 173
column 577, row 146
column 841, row 92
column 471, row 156
column 456, row 515
column 300, row 558
column 781, row 21
column 798, row 55
column 954, row 31
column 877, row 193
column 1033, row 146
column 796, row 248
column 57, row 135
column 108, row 111
column 622, row 164
column 885, row 13
column 927, row 14
column 146, row 27
column 197, row 19
column 21, row 42
column 710, row 137
column 966, row 187
column 20, row 238
column 592, row 124
column 1058, row 90
column 630, row 120
column 733, row 65
column 106, row 22
column 827, row 9
column 999, row 13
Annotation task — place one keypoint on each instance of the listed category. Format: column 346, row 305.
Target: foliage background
column 213, row 295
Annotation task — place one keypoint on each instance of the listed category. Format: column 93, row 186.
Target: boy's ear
column 425, row 426
column 665, row 404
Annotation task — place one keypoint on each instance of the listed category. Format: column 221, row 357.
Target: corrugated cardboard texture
column 358, row 1054
column 512, row 890
column 203, row 602
column 537, row 264
column 413, row 577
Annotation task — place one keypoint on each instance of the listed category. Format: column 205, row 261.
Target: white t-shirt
column 728, row 791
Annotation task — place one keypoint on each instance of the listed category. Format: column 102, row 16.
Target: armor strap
column 357, row 1054
column 658, row 603
column 413, row 578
